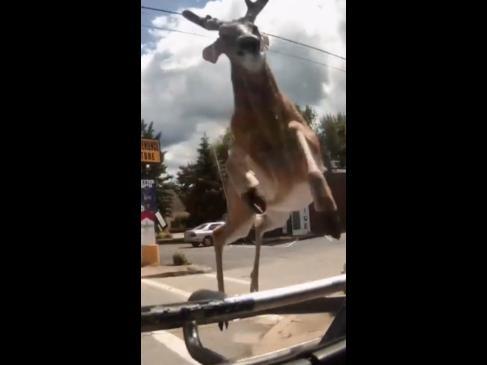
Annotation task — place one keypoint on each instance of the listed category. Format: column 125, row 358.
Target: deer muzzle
column 248, row 43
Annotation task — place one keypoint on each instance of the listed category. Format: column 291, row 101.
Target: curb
column 169, row 241
column 171, row 271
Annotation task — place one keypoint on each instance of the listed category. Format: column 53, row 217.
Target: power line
column 161, row 10
column 270, row 51
column 173, row 30
column 306, row 45
column 307, row 59
column 269, row 34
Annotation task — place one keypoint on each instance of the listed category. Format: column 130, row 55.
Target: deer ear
column 212, row 52
column 264, row 42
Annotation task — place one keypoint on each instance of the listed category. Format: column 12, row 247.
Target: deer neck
column 256, row 93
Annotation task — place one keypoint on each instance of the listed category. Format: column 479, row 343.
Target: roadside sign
column 148, row 196
column 148, row 207
column 150, row 151
column 160, row 220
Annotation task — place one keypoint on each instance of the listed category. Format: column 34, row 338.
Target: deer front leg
column 219, row 266
column 254, row 275
column 219, row 242
column 322, row 196
column 244, row 180
column 237, row 225
column 264, row 223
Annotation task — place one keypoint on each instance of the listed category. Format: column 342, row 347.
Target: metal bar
column 307, row 353
column 318, row 305
column 312, row 352
column 338, row 328
column 166, row 317
column 330, row 352
column 299, row 362
column 196, row 349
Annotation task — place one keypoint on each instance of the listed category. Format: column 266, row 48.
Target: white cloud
column 186, row 96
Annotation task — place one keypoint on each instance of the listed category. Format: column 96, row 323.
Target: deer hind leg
column 244, row 180
column 238, row 224
column 322, row 197
column 264, row 223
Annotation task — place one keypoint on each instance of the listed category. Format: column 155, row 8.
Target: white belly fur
column 299, row 198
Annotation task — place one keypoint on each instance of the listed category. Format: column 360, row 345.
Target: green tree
column 309, row 115
column 157, row 172
column 332, row 132
column 200, row 187
column 222, row 147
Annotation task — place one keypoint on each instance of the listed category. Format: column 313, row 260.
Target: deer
column 275, row 164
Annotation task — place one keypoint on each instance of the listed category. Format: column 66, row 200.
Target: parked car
column 202, row 235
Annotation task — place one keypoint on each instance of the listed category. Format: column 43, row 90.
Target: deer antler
column 254, row 8
column 207, row 22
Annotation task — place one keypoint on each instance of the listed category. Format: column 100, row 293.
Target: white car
column 202, row 235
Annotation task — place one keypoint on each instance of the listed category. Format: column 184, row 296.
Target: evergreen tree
column 201, row 188
column 309, row 115
column 333, row 136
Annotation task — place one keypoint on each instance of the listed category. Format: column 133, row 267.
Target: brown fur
column 261, row 126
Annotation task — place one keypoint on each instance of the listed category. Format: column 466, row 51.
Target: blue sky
column 147, row 16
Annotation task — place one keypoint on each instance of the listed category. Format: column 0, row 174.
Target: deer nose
column 248, row 43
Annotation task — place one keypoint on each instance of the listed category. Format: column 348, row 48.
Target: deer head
column 239, row 39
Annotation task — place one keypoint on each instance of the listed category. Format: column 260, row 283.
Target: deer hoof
column 252, row 198
column 220, row 325
column 331, row 224
column 254, row 282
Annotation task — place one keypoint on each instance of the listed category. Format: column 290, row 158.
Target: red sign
column 147, row 214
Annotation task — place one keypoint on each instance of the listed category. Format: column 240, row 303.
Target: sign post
column 150, row 154
column 150, row 249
